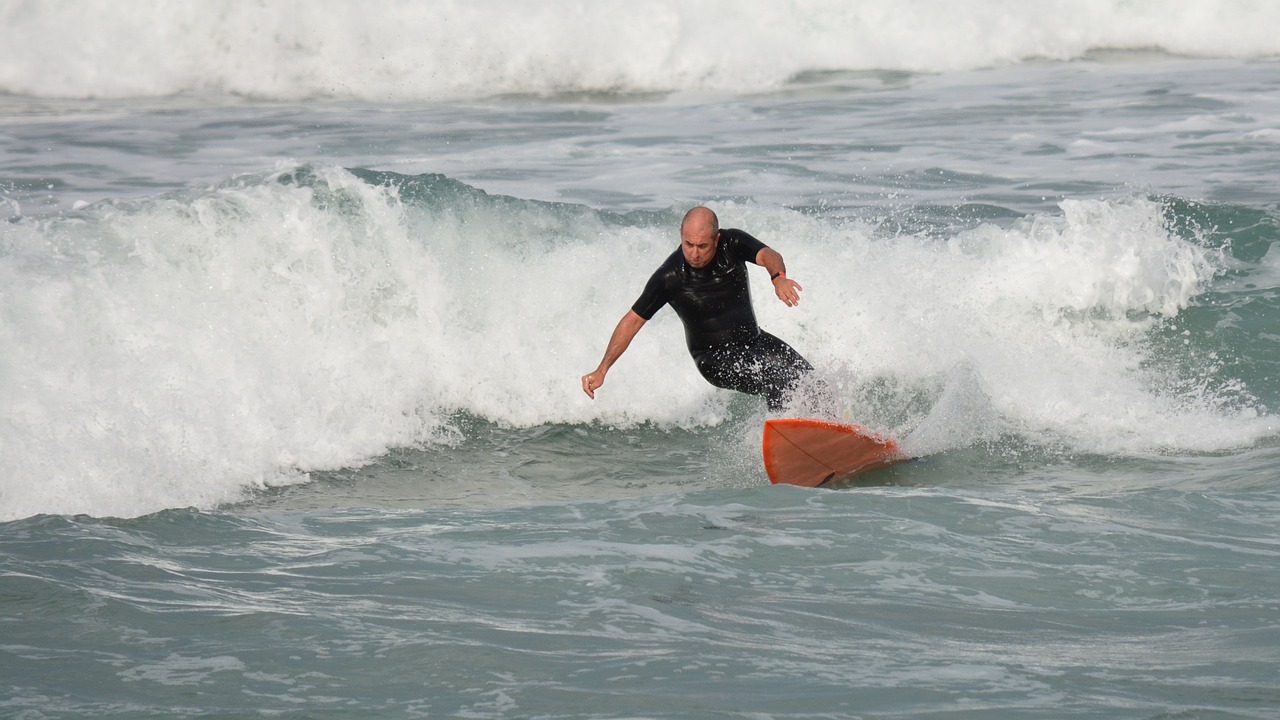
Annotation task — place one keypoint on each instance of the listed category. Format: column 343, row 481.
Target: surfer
column 705, row 281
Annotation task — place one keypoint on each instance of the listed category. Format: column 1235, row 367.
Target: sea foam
column 403, row 51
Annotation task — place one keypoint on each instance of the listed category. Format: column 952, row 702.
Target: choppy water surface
column 290, row 421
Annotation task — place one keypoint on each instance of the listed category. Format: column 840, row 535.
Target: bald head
column 699, row 236
column 700, row 220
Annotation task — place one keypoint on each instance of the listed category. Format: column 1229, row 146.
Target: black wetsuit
column 714, row 303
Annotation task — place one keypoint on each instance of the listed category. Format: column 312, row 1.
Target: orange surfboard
column 813, row 453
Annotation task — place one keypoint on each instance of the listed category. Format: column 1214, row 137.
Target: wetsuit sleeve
column 741, row 245
column 653, row 297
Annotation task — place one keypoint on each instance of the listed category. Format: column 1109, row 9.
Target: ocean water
column 295, row 299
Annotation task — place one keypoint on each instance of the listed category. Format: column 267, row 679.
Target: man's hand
column 788, row 290
column 591, row 381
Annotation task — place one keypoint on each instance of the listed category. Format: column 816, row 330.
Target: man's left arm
column 787, row 290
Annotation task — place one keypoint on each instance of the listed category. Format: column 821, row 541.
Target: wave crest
column 401, row 51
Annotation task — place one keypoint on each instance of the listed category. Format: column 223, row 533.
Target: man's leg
column 767, row 366
column 782, row 369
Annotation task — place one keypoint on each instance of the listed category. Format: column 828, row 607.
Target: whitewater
column 460, row 50
column 295, row 299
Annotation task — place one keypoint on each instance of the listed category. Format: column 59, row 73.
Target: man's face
column 699, row 246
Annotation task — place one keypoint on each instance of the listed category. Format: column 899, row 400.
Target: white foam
column 1038, row 329
column 289, row 49
column 168, row 352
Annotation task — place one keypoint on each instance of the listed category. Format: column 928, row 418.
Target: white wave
column 177, row 350
column 404, row 50
column 168, row 352
column 1041, row 329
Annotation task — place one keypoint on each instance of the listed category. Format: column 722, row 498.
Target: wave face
column 404, row 50
column 175, row 350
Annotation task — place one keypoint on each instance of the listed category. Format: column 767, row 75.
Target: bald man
column 705, row 281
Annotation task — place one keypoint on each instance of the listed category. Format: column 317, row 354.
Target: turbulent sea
column 295, row 299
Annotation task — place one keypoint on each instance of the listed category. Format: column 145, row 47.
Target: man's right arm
column 627, row 328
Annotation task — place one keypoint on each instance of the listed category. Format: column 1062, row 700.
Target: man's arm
column 787, row 290
column 628, row 326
